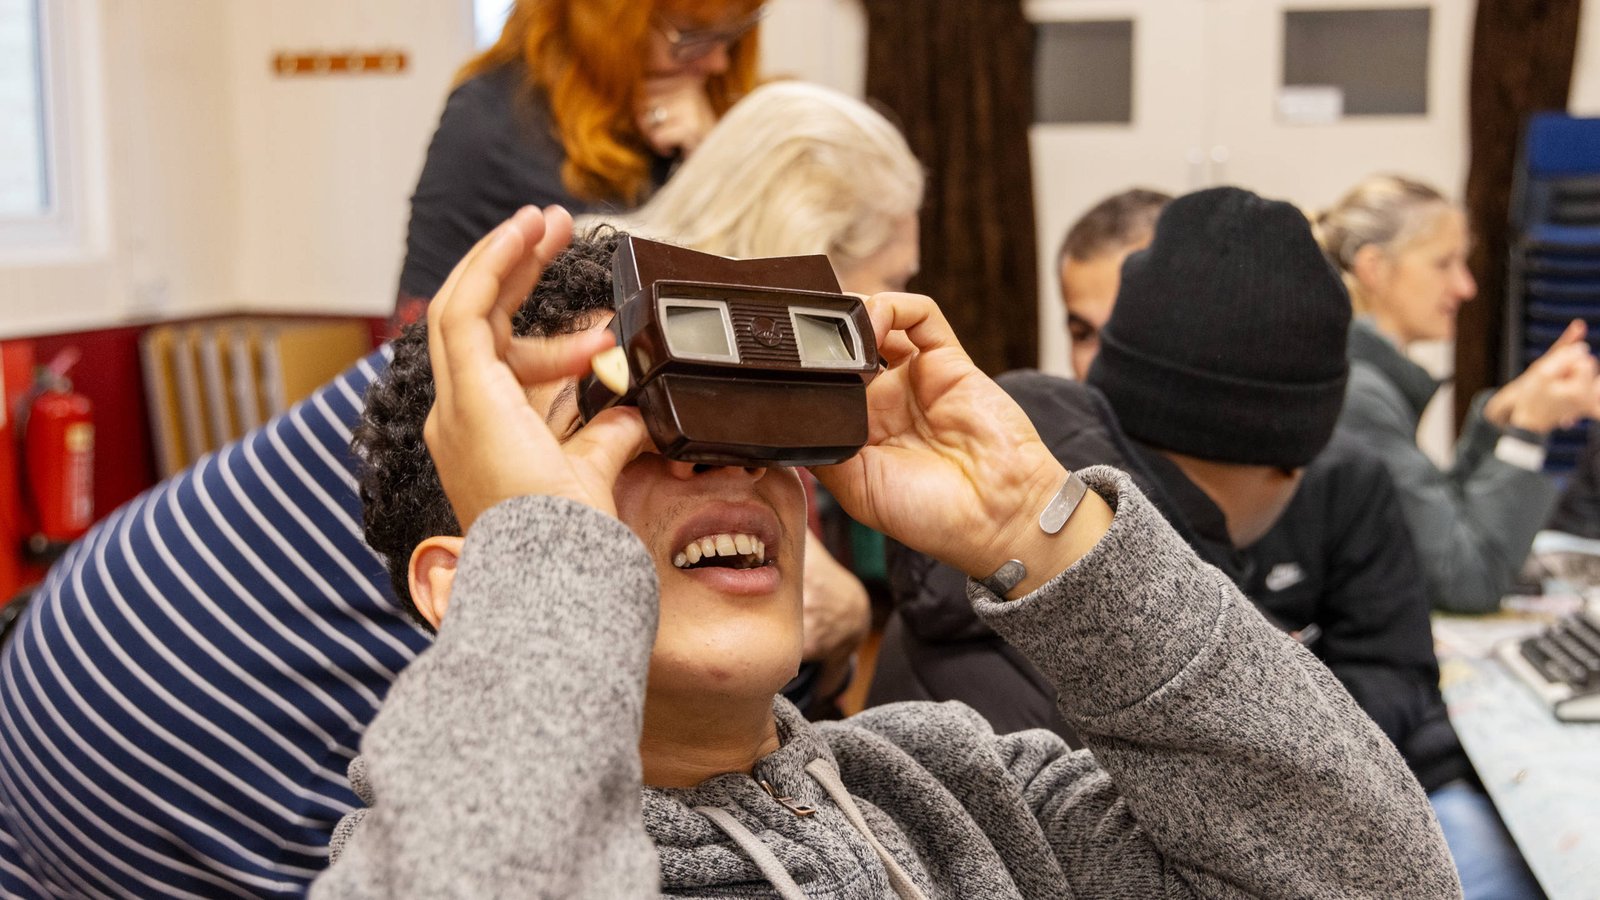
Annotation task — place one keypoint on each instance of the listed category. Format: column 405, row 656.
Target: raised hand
column 1556, row 391
column 952, row 466
column 488, row 442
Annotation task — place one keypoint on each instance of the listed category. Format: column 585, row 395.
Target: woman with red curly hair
column 586, row 103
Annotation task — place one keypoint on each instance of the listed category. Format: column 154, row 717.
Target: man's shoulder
column 1081, row 429
column 1033, row 389
column 1347, row 483
column 944, row 738
column 1350, row 462
column 914, row 719
column 1073, row 419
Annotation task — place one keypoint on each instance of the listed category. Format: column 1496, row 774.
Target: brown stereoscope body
column 739, row 362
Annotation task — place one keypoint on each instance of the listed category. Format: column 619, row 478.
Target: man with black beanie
column 1220, row 376
column 1217, row 386
column 1240, row 372
column 1237, row 374
column 1227, row 339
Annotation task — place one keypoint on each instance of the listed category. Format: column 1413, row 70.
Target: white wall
column 231, row 188
column 824, row 41
column 161, row 239
column 228, row 188
column 329, row 162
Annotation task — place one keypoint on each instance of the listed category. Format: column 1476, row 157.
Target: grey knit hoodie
column 1225, row 760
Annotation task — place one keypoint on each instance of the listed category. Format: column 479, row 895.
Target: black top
column 1207, row 526
column 495, row 151
column 1340, row 569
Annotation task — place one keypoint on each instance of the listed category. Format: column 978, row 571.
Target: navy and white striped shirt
column 180, row 701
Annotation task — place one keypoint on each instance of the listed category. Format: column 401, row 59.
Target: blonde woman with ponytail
column 1402, row 247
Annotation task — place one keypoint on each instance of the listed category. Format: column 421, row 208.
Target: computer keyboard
column 1562, row 664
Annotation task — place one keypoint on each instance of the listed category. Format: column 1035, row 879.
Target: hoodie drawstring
column 826, row 775
column 759, row 853
column 823, row 772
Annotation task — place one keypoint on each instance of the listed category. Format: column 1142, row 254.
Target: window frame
column 72, row 228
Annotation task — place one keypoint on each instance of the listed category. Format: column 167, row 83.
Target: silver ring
column 656, row 117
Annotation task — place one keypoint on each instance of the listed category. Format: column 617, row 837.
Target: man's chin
column 716, row 681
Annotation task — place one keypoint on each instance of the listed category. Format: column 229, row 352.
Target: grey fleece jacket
column 1226, row 761
column 1474, row 522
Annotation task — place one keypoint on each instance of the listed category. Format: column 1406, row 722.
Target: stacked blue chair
column 180, row 701
column 1555, row 250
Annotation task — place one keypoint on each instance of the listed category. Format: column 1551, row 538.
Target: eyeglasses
column 686, row 46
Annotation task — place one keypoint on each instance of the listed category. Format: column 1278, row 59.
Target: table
column 1543, row 774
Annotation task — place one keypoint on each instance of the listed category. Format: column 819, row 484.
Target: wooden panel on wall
column 382, row 62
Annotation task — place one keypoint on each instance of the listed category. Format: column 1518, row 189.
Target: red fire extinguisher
column 58, row 451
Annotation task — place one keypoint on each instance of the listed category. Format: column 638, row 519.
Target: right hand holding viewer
column 488, row 442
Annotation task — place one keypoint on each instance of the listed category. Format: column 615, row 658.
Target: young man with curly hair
column 597, row 721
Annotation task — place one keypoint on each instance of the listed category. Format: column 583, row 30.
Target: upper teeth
column 728, row 544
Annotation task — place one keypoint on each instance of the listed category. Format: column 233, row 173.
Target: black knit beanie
column 1227, row 341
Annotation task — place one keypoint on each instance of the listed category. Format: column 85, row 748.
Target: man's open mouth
column 735, row 550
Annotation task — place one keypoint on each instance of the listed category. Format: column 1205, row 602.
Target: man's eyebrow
column 567, row 394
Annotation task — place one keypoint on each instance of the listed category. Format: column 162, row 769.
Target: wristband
column 1525, row 435
column 1515, row 451
column 1051, row 521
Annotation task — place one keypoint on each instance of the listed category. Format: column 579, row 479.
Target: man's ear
column 433, row 574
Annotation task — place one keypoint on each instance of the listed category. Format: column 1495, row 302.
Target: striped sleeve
column 180, row 701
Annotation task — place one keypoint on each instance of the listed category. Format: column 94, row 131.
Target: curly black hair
column 402, row 500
